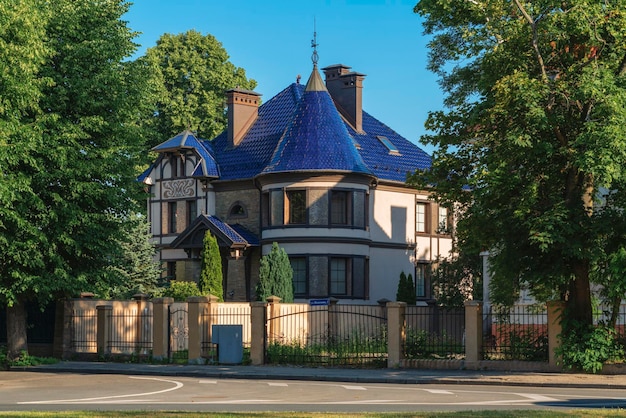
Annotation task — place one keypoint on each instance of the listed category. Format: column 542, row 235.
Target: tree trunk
column 16, row 330
column 579, row 301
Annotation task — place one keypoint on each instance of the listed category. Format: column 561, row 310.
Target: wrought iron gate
column 178, row 332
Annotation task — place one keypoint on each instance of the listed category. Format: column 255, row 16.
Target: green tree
column 74, row 160
column 406, row 290
column 194, row 73
column 275, row 276
column 211, row 277
column 535, row 127
column 137, row 266
column 22, row 53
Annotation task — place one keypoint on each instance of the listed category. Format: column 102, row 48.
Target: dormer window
column 387, row 143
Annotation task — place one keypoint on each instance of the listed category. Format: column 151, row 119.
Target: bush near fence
column 333, row 335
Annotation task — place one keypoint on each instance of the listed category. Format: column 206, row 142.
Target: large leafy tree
column 22, row 53
column 194, row 73
column 72, row 147
column 533, row 133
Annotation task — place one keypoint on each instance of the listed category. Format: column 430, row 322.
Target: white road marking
column 278, row 384
column 177, row 385
column 439, row 391
column 209, row 382
column 353, row 387
column 536, row 398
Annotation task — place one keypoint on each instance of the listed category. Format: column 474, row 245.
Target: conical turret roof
column 316, row 138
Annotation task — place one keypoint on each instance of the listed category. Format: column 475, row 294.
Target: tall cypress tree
column 406, row 290
column 275, row 276
column 211, row 276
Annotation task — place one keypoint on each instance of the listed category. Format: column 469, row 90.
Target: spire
column 314, row 45
column 315, row 82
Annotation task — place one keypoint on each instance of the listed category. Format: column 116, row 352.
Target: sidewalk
column 398, row 376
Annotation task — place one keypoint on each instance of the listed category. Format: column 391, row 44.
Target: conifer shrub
column 406, row 290
column 211, row 276
column 275, row 276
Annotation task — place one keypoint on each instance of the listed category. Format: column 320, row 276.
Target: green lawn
column 594, row 413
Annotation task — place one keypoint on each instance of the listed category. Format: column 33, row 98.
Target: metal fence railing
column 518, row 332
column 332, row 335
column 130, row 332
column 433, row 332
column 83, row 337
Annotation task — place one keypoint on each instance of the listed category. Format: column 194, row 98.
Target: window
column 338, row 276
column 442, row 227
column 171, row 209
column 297, row 206
column 339, row 207
column 174, row 166
column 298, row 264
column 192, row 211
column 420, row 280
column 171, row 270
column 237, row 211
column 387, row 143
column 420, row 217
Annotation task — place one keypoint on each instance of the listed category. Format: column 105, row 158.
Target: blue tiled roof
column 300, row 130
column 187, row 140
column 386, row 165
column 296, row 131
column 235, row 236
column 258, row 145
column 227, row 231
column 316, row 139
column 250, row 237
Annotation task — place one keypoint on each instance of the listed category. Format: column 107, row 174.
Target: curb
column 352, row 376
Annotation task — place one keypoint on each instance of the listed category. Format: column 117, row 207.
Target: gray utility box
column 229, row 342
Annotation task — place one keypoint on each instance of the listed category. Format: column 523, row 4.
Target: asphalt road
column 27, row 391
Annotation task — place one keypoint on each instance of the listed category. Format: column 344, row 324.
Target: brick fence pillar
column 473, row 334
column 395, row 333
column 196, row 310
column 555, row 311
column 258, row 319
column 103, row 329
column 275, row 331
column 160, row 327
column 62, row 329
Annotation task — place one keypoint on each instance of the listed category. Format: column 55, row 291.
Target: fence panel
column 519, row 332
column 131, row 329
column 328, row 335
column 433, row 332
column 83, row 333
column 228, row 313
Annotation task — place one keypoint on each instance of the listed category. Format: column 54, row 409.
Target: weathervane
column 314, row 45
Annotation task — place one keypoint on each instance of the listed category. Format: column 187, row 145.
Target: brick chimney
column 243, row 109
column 346, row 89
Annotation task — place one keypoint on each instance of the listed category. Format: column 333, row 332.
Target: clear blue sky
column 271, row 40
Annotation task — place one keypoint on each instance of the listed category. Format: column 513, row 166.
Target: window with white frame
column 442, row 227
column 420, row 280
column 420, row 217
